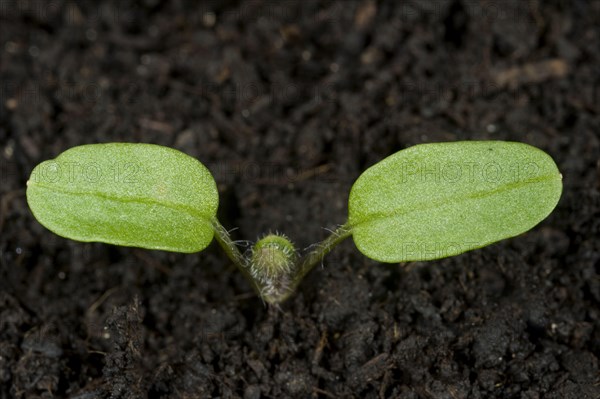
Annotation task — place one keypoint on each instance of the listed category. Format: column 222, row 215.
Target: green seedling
column 426, row 202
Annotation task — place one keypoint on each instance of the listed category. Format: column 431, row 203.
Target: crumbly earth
column 287, row 102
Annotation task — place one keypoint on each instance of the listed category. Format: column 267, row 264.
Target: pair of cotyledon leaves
column 425, row 202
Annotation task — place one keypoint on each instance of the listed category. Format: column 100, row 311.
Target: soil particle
column 287, row 104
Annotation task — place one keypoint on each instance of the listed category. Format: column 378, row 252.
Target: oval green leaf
column 436, row 200
column 139, row 195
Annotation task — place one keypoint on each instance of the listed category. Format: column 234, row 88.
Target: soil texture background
column 287, row 102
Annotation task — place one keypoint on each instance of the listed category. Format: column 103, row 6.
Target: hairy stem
column 311, row 259
column 306, row 263
column 275, row 269
column 224, row 239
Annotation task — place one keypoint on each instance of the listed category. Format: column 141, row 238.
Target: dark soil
column 287, row 102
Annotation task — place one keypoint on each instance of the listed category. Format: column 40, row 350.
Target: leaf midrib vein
column 373, row 217
column 167, row 204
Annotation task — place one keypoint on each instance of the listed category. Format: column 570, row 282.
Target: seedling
column 426, row 202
